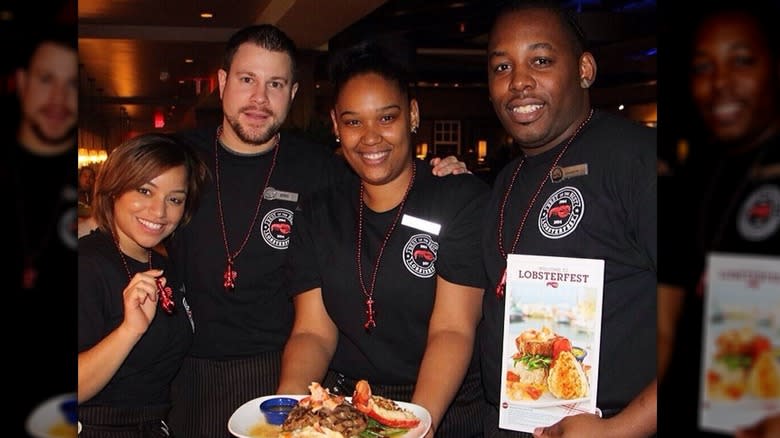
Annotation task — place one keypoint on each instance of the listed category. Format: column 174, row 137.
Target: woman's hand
column 140, row 299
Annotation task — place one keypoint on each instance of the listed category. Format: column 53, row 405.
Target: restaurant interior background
column 150, row 65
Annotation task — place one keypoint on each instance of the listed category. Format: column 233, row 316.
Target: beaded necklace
column 501, row 287
column 369, row 292
column 230, row 272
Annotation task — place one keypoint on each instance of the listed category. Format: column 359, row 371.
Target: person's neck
column 36, row 146
column 134, row 250
column 385, row 197
column 746, row 146
column 572, row 129
column 231, row 142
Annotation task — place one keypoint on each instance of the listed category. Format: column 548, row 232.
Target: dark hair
column 566, row 16
column 266, row 36
column 139, row 160
column 763, row 13
column 61, row 35
column 367, row 57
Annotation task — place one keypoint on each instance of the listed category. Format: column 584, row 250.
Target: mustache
column 58, row 108
column 263, row 110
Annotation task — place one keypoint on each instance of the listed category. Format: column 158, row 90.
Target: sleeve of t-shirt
column 301, row 267
column 459, row 259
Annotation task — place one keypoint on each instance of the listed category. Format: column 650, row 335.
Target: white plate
column 46, row 416
column 248, row 416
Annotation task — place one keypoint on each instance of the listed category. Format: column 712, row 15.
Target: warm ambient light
column 422, row 150
column 91, row 156
column 189, row 60
column 481, row 150
column 206, row 15
column 159, row 119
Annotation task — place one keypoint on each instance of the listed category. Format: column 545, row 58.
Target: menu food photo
column 551, row 343
column 740, row 368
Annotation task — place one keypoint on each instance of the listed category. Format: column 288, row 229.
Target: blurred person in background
column 86, row 185
column 39, row 168
column 725, row 197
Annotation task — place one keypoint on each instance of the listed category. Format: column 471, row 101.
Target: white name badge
column 421, row 224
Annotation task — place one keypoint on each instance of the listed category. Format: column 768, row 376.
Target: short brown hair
column 136, row 162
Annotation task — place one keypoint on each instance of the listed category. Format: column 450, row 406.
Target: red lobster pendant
column 165, row 295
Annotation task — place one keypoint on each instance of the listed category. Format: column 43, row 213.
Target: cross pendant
column 370, row 323
column 230, row 277
column 29, row 277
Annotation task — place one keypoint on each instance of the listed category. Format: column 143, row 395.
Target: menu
column 551, row 342
column 740, row 374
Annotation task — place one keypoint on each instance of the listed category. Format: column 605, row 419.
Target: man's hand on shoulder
column 448, row 166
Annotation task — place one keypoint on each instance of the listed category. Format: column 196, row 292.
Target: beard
column 257, row 137
column 49, row 140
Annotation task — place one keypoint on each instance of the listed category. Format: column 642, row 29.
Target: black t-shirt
column 721, row 202
column 612, row 217
column 323, row 254
column 145, row 376
column 256, row 316
column 41, row 203
column 730, row 203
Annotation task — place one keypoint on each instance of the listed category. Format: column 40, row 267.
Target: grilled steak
column 344, row 418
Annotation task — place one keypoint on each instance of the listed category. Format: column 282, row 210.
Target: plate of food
column 323, row 415
column 54, row 418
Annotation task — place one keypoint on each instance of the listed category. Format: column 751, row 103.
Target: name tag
column 421, row 224
column 271, row 193
column 559, row 174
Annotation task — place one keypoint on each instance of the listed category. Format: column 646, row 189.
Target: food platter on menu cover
column 546, row 370
column 323, row 415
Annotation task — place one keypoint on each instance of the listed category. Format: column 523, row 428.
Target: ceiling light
column 189, row 60
column 206, row 15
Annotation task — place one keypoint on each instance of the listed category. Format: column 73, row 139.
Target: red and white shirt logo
column 759, row 214
column 419, row 255
column 276, row 228
column 561, row 213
